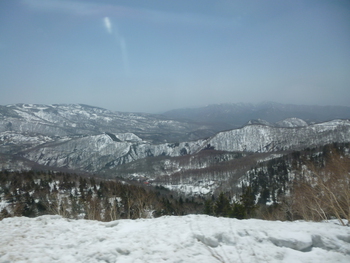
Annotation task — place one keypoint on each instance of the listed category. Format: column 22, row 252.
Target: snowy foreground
column 193, row 238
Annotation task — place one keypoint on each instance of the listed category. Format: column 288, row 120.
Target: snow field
column 192, row 238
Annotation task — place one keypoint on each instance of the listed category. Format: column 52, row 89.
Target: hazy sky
column 152, row 56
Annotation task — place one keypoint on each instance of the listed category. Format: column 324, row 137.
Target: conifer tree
column 248, row 201
column 222, row 206
column 208, row 207
column 238, row 211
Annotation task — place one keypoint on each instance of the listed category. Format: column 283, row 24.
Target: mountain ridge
column 135, row 145
column 234, row 115
column 72, row 119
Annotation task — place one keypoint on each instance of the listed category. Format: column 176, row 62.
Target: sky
column 154, row 56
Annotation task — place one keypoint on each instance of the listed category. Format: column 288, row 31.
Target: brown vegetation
column 323, row 190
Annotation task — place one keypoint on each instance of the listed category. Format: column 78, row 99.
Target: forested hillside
column 312, row 184
column 33, row 194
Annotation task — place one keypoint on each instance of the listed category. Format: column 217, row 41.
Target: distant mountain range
column 234, row 115
column 145, row 147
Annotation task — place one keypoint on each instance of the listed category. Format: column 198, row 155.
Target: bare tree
column 93, row 209
column 58, row 204
column 324, row 190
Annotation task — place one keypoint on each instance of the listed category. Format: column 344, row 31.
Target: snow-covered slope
column 193, row 238
column 71, row 119
column 261, row 138
column 95, row 152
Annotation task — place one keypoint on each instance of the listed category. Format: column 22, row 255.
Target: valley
column 191, row 159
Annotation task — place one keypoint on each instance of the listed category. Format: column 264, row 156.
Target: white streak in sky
column 88, row 8
column 120, row 41
column 108, row 24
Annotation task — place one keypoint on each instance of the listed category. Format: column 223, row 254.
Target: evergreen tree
column 208, row 207
column 238, row 211
column 248, row 201
column 222, row 206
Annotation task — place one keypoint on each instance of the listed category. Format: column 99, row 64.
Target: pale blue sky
column 152, row 56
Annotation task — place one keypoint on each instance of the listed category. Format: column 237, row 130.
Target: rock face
column 90, row 139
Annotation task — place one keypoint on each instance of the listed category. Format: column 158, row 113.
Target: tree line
column 313, row 184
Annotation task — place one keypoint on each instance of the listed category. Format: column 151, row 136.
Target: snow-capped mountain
column 95, row 140
column 77, row 119
column 95, row 152
column 263, row 138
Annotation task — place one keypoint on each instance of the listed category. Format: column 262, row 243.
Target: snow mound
column 192, row 238
column 258, row 122
column 291, row 123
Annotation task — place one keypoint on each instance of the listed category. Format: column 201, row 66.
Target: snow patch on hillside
column 192, row 190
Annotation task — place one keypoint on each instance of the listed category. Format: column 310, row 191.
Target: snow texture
column 192, row 238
